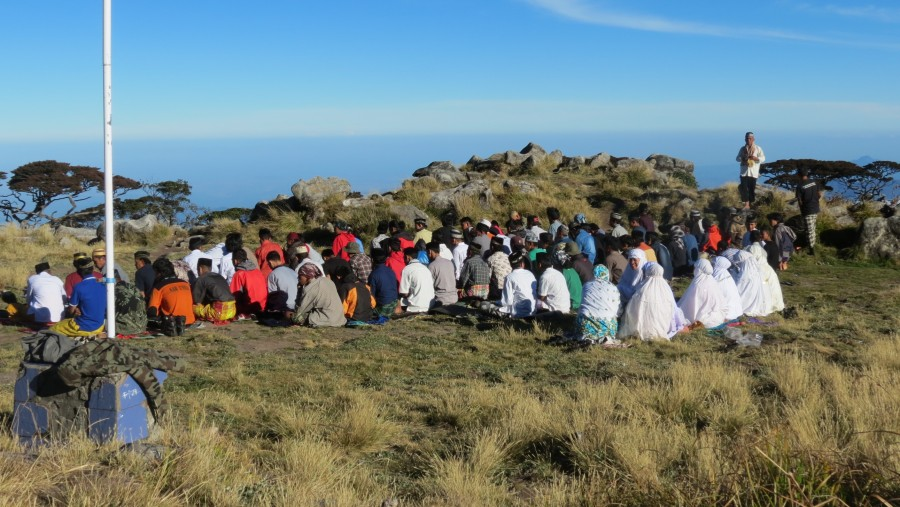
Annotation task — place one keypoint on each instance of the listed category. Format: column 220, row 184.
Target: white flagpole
column 110, row 277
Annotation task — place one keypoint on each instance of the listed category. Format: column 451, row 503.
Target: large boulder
column 600, row 161
column 668, row 164
column 312, row 192
column 84, row 234
column 407, row 213
column 281, row 203
column 447, row 198
column 841, row 215
column 522, row 187
column 444, row 172
column 627, row 163
column 880, row 238
column 130, row 230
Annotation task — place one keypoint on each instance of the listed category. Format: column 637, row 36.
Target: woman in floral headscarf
column 601, row 304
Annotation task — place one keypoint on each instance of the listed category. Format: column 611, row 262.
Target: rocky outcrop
column 312, row 192
column 84, row 234
column 880, row 238
column 130, row 230
column 841, row 215
column 477, row 189
column 281, row 203
column 407, row 213
column 522, row 187
column 444, row 172
column 666, row 163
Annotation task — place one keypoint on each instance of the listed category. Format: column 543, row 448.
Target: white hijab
column 600, row 299
column 631, row 278
column 652, row 313
column 770, row 281
column 749, row 286
column 733, row 306
column 703, row 300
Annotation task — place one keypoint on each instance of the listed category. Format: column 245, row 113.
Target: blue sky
column 370, row 90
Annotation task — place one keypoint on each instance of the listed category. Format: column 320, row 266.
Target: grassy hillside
column 437, row 411
column 468, row 411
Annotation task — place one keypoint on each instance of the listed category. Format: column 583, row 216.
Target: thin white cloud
column 593, row 13
column 872, row 12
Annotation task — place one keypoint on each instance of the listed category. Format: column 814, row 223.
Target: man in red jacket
column 248, row 285
column 266, row 245
column 343, row 238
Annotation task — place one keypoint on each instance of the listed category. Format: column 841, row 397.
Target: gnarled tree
column 36, row 186
column 863, row 183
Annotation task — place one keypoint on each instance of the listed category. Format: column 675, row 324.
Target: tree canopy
column 863, row 183
column 35, row 187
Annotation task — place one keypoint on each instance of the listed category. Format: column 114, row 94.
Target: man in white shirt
column 191, row 259
column 46, row 295
column 518, row 291
column 416, row 284
column 750, row 156
column 460, row 251
column 553, row 292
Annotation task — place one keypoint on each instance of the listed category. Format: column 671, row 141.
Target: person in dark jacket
column 355, row 296
column 213, row 300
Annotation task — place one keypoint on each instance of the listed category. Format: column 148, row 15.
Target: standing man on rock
column 750, row 156
column 808, row 195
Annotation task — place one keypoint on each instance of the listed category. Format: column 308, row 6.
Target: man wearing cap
column 579, row 262
column 459, row 250
column 213, row 300
column 751, row 157
column 360, row 263
column 416, row 285
column 531, row 246
column 194, row 245
column 422, row 233
column 248, row 286
column 74, row 278
column 99, row 258
column 615, row 221
column 302, row 257
column 736, row 228
column 46, row 295
column 475, row 276
column 267, row 246
column 343, row 238
column 144, row 277
column 87, row 306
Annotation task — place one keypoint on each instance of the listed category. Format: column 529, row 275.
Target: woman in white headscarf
column 633, row 275
column 733, row 306
column 770, row 281
column 754, row 300
column 703, row 301
column 652, row 313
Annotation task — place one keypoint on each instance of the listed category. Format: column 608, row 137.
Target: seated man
column 282, row 285
column 73, row 278
column 319, row 304
column 212, row 296
column 87, row 306
column 248, row 286
column 144, row 277
column 416, row 285
column 383, row 284
column 518, row 292
column 355, row 296
column 45, row 295
column 170, row 299
column 475, row 276
column 552, row 290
